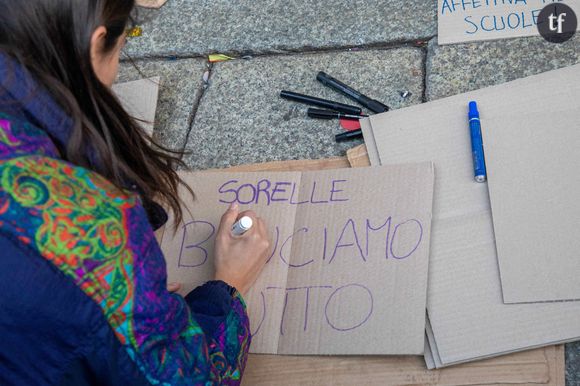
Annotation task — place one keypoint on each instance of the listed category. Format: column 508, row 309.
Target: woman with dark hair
column 83, row 292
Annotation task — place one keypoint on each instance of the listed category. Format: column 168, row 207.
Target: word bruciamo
column 349, row 240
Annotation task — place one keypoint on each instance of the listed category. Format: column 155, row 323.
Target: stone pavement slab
column 458, row 68
column 573, row 364
column 198, row 27
column 242, row 119
column 179, row 92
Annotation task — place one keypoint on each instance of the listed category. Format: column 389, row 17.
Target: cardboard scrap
column 358, row 156
column 532, row 158
column 466, row 311
column 292, row 166
column 139, row 98
column 151, row 3
column 477, row 20
column 558, row 368
column 343, row 257
column 540, row 366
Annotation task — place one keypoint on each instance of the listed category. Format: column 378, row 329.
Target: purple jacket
column 83, row 297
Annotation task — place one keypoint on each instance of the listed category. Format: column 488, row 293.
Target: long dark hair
column 52, row 40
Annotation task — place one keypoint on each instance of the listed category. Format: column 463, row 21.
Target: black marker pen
column 367, row 102
column 310, row 100
column 348, row 135
column 327, row 114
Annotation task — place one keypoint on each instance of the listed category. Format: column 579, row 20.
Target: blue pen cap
column 473, row 113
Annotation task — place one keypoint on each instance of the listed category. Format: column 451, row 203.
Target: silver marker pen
column 242, row 226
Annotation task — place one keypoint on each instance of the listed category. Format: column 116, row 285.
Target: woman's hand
column 240, row 259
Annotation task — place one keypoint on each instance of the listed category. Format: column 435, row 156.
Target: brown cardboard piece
column 490, row 20
column 139, row 99
column 532, row 158
column 468, row 317
column 358, row 156
column 151, row 3
column 541, row 366
column 355, row 250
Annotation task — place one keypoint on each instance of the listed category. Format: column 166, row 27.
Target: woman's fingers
column 173, row 287
column 229, row 218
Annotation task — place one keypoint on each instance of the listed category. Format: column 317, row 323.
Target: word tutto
column 268, row 192
column 359, row 293
column 350, row 241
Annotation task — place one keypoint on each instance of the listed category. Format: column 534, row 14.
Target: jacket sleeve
column 221, row 312
column 203, row 338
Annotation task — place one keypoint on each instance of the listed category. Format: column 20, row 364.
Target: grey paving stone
column 459, row 68
column 180, row 88
column 573, row 364
column 242, row 119
column 188, row 28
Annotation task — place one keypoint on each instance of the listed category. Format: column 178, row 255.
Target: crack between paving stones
column 428, row 56
column 425, row 50
column 417, row 43
column 196, row 103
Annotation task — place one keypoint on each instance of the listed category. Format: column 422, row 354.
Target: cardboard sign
column 468, row 318
column 462, row 21
column 348, row 269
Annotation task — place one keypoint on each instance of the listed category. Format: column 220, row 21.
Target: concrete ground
column 229, row 113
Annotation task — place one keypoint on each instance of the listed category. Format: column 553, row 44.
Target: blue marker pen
column 476, row 143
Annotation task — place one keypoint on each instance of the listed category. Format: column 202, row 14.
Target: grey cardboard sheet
column 139, row 98
column 468, row 317
column 151, row 3
column 532, row 151
column 429, row 361
column 432, row 359
column 370, row 142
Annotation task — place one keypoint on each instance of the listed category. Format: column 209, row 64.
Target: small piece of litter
column 214, row 58
column 134, row 32
column 151, row 3
column 405, row 94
